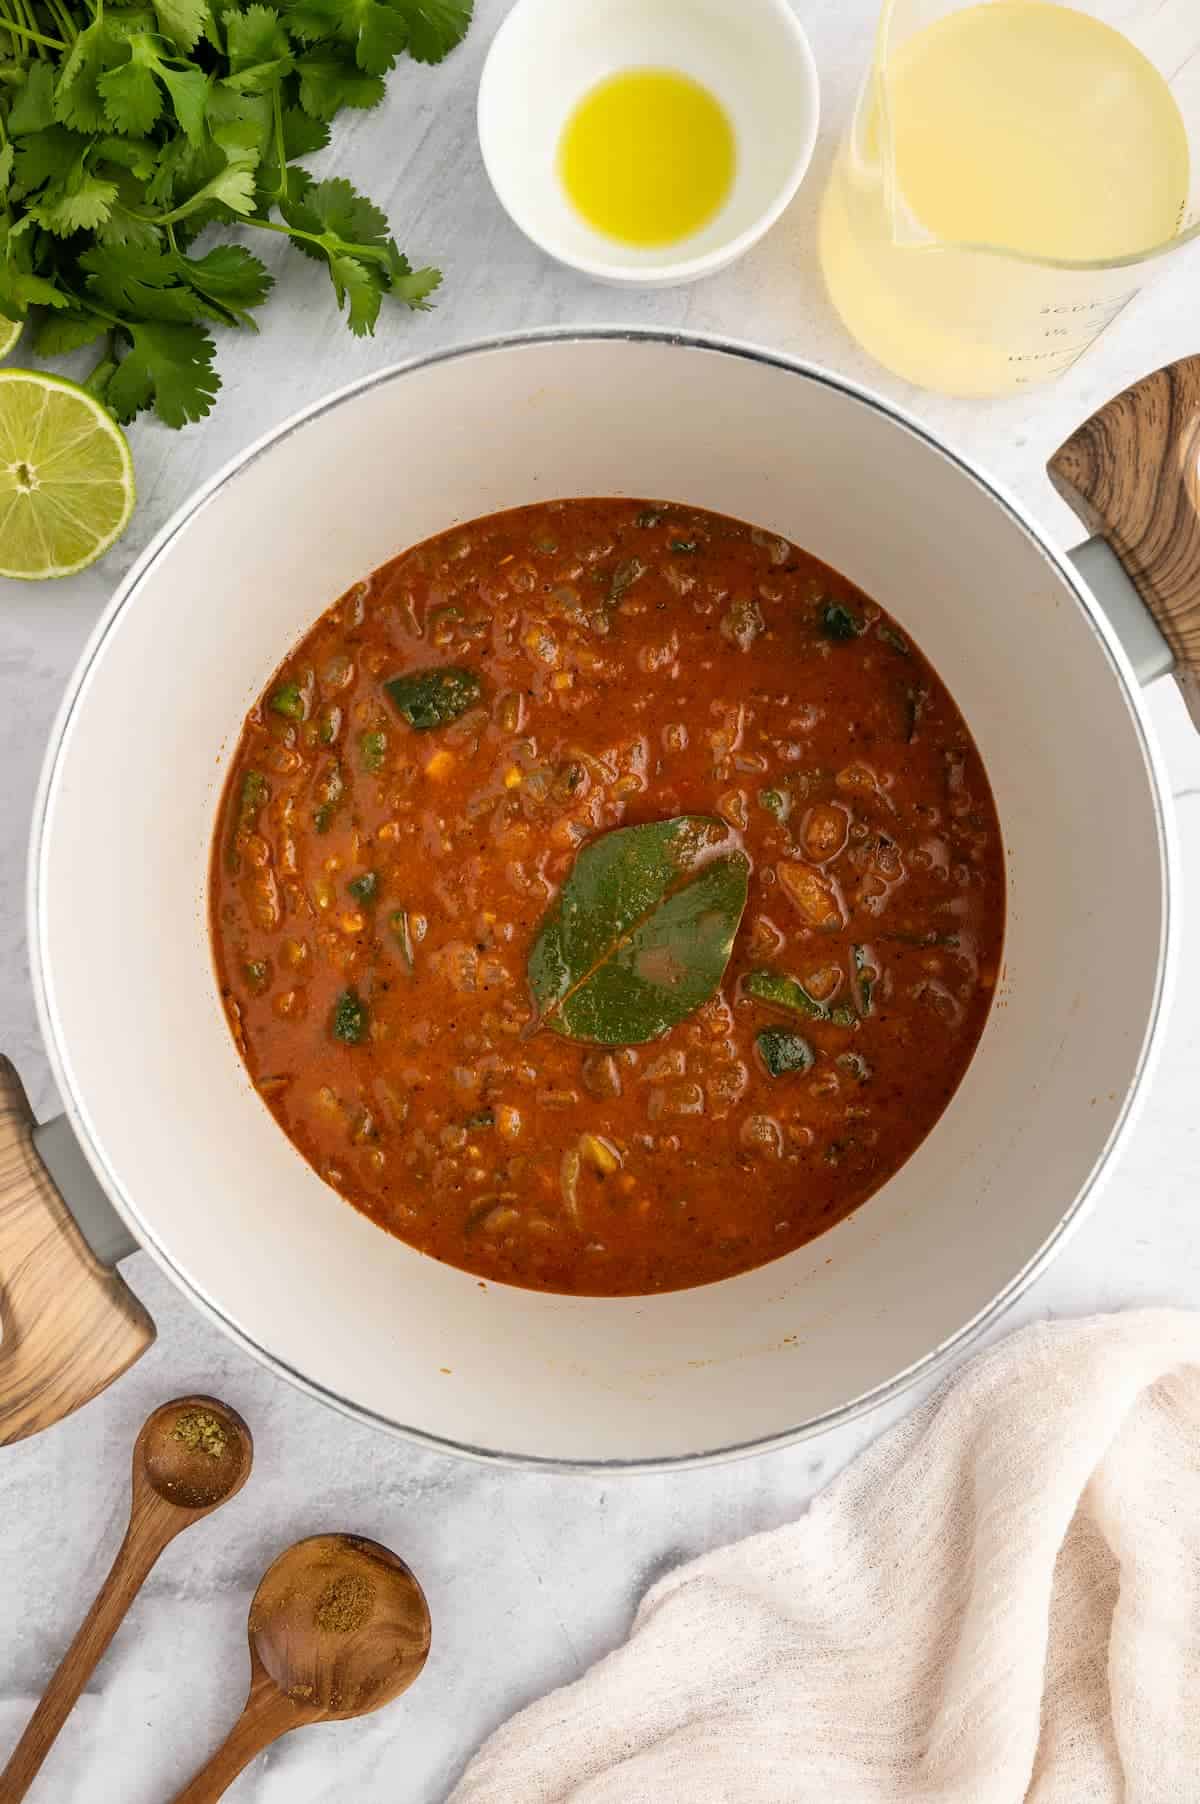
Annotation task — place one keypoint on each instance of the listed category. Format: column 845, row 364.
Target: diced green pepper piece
column 856, row 1065
column 864, row 976
column 444, row 616
column 433, row 698
column 783, row 992
column 330, row 723
column 350, row 1019
column 838, row 623
column 789, row 993
column 685, row 546
column 482, row 1118
column 776, row 802
column 329, row 793
column 288, row 701
column 258, row 973
column 364, row 888
column 373, row 748
column 253, row 794
column 782, row 1051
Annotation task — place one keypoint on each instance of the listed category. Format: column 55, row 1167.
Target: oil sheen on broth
column 424, row 850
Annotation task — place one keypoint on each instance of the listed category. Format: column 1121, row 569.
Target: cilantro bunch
column 127, row 130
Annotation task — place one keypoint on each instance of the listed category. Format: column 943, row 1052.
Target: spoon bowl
column 193, row 1453
column 338, row 1627
column 339, row 1624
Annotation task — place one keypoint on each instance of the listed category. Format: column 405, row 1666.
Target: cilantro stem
column 372, row 252
column 62, row 19
column 86, row 304
column 35, row 37
column 104, row 371
column 281, row 188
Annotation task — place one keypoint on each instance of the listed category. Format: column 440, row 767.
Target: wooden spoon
column 338, row 1627
column 191, row 1456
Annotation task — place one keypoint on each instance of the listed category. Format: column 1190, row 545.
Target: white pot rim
column 939, row 1355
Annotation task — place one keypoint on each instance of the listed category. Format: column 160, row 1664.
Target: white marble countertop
column 529, row 1577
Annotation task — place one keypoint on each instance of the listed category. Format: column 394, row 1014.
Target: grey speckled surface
column 529, row 1577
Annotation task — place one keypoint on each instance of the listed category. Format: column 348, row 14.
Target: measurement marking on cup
column 1061, row 358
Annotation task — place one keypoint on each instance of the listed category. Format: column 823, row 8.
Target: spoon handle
column 148, row 1533
column 268, row 1715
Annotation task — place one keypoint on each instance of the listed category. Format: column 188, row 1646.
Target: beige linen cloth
column 999, row 1601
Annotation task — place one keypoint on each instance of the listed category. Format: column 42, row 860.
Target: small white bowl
column 751, row 54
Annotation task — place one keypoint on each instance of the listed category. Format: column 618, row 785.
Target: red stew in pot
column 607, row 897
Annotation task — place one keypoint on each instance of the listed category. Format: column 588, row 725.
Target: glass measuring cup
column 986, row 279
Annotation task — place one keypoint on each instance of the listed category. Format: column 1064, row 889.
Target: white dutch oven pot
column 195, row 1168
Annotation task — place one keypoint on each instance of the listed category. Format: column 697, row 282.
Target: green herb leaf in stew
column 433, row 698
column 782, row 1050
column 351, row 1019
column 641, row 931
column 838, row 623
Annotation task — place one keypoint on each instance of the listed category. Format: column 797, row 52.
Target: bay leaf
column 640, row 933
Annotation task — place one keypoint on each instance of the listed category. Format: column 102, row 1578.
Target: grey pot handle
column 79, row 1187
column 1134, row 624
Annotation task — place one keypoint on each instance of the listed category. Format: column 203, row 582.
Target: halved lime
column 10, row 331
column 66, row 476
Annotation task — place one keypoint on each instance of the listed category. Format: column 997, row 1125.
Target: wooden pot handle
column 1132, row 474
column 69, row 1325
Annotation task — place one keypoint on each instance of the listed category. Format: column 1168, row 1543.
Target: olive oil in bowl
column 648, row 157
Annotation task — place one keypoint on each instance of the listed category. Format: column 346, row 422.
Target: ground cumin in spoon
column 345, row 1604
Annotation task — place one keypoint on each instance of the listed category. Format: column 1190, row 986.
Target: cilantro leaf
column 46, row 158
column 239, row 123
column 68, row 331
column 412, row 286
column 82, row 203
column 183, row 21
column 230, row 276
column 302, row 135
column 123, row 227
column 33, row 109
column 188, row 89
column 7, row 159
column 168, row 367
column 78, row 101
column 132, row 98
column 330, row 80
column 137, row 284
column 162, row 283
column 377, row 32
column 435, row 26
column 336, row 208
column 381, row 35
column 232, row 187
column 20, row 287
column 362, row 286
column 138, row 155
column 260, row 54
